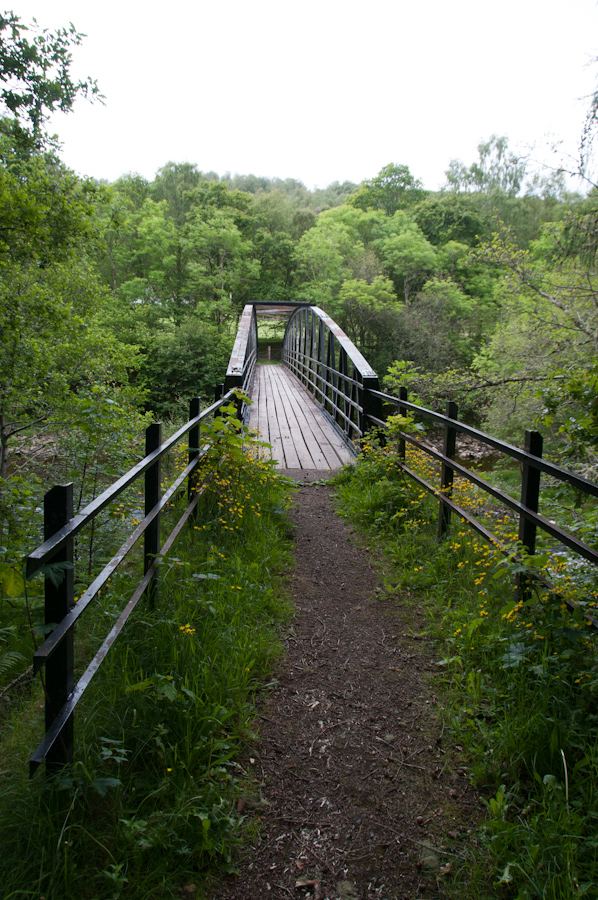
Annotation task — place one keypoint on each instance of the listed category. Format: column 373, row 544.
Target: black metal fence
column 331, row 367
column 57, row 653
column 532, row 466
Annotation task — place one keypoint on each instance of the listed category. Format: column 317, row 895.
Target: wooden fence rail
column 56, row 654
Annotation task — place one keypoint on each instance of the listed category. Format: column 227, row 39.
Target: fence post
column 313, row 367
column 233, row 382
column 530, row 497
column 331, row 375
column 59, row 599
column 218, row 395
column 371, row 406
column 322, row 371
column 194, row 410
column 446, row 474
column 403, row 395
column 153, row 478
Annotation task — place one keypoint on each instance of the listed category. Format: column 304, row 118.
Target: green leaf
column 514, row 655
column 537, row 670
column 103, row 785
column 11, row 580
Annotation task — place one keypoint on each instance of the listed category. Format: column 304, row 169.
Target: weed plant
column 150, row 803
column 519, row 679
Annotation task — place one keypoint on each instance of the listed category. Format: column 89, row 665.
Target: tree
column 35, row 74
column 362, row 303
column 221, row 261
column 183, row 245
column 183, row 361
column 407, row 253
column 393, row 188
column 322, row 256
column 451, row 216
column 496, row 169
column 275, row 253
column 440, row 327
column 544, row 355
column 51, row 358
column 45, row 210
column 51, row 353
column 175, row 183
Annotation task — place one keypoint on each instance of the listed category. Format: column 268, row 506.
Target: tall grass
column 149, row 805
column 519, row 680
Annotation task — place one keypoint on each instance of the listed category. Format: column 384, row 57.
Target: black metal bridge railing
column 331, row 367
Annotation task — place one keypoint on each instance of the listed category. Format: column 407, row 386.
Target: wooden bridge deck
column 287, row 417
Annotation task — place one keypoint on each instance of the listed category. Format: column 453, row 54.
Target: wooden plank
column 262, row 419
column 287, row 417
column 275, row 439
column 311, row 414
column 259, row 415
column 254, row 409
column 304, row 437
column 301, row 388
column 330, row 445
column 291, row 458
column 308, row 455
column 315, row 426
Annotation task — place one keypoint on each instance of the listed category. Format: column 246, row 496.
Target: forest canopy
column 120, row 301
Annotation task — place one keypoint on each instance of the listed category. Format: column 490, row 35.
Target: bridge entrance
column 314, row 408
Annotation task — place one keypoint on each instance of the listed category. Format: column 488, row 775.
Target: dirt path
column 361, row 793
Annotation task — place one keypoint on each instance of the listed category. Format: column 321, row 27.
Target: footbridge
column 313, row 404
column 312, row 409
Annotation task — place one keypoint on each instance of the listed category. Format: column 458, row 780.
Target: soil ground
column 360, row 793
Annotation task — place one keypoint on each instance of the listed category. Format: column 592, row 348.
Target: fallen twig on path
column 314, row 854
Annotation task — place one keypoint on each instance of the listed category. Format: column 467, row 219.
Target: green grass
column 149, row 805
column 519, row 683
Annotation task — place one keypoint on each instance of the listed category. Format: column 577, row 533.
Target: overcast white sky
column 321, row 90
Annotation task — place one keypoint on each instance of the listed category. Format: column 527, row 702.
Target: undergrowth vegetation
column 520, row 678
column 150, row 802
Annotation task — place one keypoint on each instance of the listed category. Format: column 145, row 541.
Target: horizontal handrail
column 306, row 358
column 43, row 653
column 53, row 732
column 243, row 359
column 42, row 554
column 489, row 536
column 578, row 481
column 329, row 384
column 527, row 507
column 62, row 695
column 545, row 524
column 332, row 369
